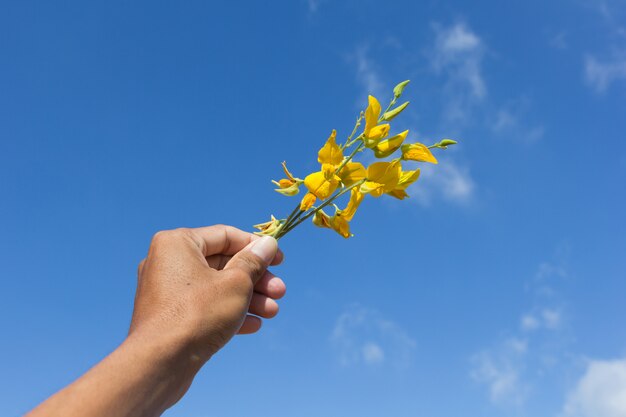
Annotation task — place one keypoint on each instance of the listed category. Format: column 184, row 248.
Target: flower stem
column 321, row 206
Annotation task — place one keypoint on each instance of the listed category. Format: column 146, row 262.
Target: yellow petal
column 407, row 178
column 330, row 152
column 372, row 113
column 307, row 201
column 351, row 173
column 340, row 225
column 267, row 228
column 388, row 146
column 290, row 191
column 320, row 186
column 375, row 135
column 355, row 200
column 287, row 173
column 373, row 188
column 321, row 219
column 386, row 173
column 399, row 194
column 417, row 152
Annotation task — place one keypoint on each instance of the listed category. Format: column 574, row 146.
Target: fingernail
column 265, row 248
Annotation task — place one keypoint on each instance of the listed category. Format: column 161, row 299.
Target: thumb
column 255, row 258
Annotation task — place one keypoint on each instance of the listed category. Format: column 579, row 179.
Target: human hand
column 199, row 287
column 196, row 289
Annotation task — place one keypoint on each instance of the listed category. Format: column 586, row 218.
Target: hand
column 197, row 286
column 194, row 292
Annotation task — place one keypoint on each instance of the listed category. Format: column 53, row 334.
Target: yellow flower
column 406, row 178
column 417, row 152
column 322, row 184
column 288, row 186
column 355, row 200
column 321, row 219
column 388, row 146
column 267, row 228
column 307, row 201
column 330, row 152
column 373, row 132
column 340, row 221
column 382, row 177
column 340, row 225
column 351, row 173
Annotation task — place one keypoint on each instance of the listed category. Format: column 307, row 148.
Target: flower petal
column 351, row 173
column 318, row 184
column 330, row 152
column 388, row 146
column 355, row 200
column 417, row 152
column 340, row 225
column 307, row 201
column 372, row 113
column 386, row 173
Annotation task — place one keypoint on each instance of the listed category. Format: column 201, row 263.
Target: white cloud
column 500, row 369
column 601, row 74
column 458, row 51
column 457, row 54
column 559, row 41
column 600, row 392
column 551, row 318
column 447, row 180
column 546, row 318
column 372, row 353
column 529, row 322
column 506, row 122
column 513, row 367
column 363, row 336
column 314, row 5
column 366, row 72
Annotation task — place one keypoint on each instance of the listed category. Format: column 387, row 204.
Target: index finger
column 226, row 240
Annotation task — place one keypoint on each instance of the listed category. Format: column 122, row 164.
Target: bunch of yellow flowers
column 339, row 174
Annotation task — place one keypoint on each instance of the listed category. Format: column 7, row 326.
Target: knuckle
column 140, row 266
column 240, row 280
column 160, row 237
column 164, row 237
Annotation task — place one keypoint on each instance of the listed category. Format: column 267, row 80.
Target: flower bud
column 394, row 112
column 445, row 143
column 398, row 89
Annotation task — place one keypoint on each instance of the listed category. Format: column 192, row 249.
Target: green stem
column 321, row 206
column 356, row 126
column 289, row 219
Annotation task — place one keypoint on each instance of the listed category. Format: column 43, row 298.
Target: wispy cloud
column 501, row 369
column 366, row 72
column 601, row 74
column 362, row 336
column 510, row 368
column 507, row 122
column 448, row 180
column 457, row 54
column 600, row 392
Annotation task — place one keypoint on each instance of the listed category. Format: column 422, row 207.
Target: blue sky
column 497, row 289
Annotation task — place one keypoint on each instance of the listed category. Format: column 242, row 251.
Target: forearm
column 142, row 377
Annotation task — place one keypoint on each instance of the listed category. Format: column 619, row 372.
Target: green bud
column 398, row 89
column 394, row 112
column 445, row 143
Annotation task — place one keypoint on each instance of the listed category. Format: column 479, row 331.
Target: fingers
column 221, row 239
column 263, row 306
column 251, row 324
column 254, row 259
column 270, row 285
column 226, row 240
